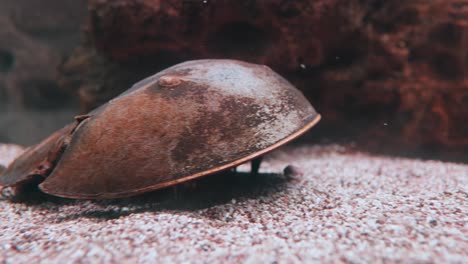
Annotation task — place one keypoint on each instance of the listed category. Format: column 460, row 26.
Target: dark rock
column 291, row 172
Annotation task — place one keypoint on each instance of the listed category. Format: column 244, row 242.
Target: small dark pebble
column 292, row 171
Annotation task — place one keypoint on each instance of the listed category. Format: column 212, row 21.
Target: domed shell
column 190, row 120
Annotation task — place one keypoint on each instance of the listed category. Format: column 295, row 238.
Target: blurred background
column 387, row 75
column 35, row 38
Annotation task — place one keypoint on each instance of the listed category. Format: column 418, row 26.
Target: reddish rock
column 388, row 73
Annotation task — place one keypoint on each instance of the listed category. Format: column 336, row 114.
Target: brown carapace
column 193, row 119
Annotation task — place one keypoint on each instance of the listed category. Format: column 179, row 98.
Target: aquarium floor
column 345, row 207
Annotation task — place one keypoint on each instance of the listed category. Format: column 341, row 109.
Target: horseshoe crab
column 190, row 120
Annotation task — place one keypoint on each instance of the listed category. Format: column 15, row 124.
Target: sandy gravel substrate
column 346, row 207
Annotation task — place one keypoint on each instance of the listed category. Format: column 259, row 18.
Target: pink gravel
column 341, row 207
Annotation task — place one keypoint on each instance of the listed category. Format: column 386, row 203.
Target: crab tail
column 36, row 163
